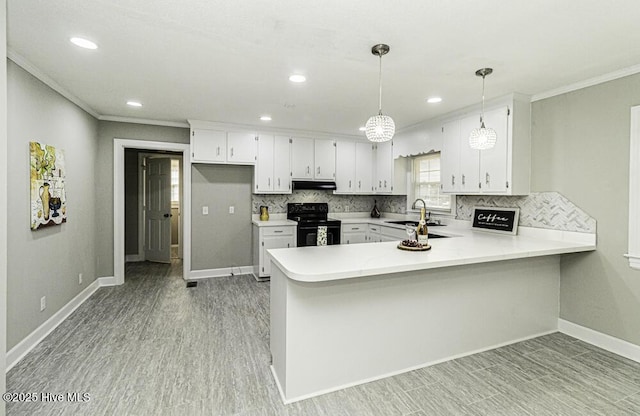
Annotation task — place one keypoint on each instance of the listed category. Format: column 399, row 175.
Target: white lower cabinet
column 354, row 233
column 392, row 234
column 265, row 238
column 373, row 233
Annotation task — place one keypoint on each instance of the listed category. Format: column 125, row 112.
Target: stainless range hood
column 327, row 186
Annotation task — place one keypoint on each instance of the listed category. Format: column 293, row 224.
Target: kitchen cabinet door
column 494, row 162
column 469, row 168
column 364, row 168
column 208, row 146
column 302, row 163
column 345, row 167
column 282, row 164
column 270, row 242
column 384, row 168
column 264, row 170
column 241, row 148
column 450, row 156
column 325, row 159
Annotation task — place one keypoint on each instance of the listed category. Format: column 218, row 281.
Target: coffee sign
column 499, row 220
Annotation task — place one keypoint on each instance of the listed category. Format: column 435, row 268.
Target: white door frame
column 119, row 145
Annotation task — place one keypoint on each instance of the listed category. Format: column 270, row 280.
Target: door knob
column 167, row 215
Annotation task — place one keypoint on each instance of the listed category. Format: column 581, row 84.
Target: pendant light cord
column 380, row 86
column 482, row 113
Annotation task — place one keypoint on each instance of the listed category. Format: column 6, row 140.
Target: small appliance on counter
column 314, row 226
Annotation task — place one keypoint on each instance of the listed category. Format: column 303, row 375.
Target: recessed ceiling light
column 134, row 103
column 83, row 43
column 265, row 118
column 434, row 100
column 363, row 128
column 297, row 78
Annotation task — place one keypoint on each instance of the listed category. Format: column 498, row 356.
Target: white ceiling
column 229, row 61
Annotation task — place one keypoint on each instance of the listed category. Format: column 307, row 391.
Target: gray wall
column 47, row 262
column 221, row 239
column 107, row 131
column 580, row 148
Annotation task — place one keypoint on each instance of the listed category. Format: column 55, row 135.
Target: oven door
column 308, row 235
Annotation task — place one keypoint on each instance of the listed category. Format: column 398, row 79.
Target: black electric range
column 314, row 224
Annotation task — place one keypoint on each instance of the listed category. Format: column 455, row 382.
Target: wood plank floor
column 155, row 347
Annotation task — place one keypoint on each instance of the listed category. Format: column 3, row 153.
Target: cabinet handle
column 268, row 181
column 355, row 229
column 379, row 184
column 487, row 178
column 463, row 181
column 278, row 182
column 277, row 231
column 318, row 170
column 288, row 246
column 308, row 171
column 385, row 184
column 218, row 151
column 453, row 180
column 359, row 184
column 232, row 152
column 349, row 183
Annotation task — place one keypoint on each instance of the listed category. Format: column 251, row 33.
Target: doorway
column 119, row 234
column 153, row 206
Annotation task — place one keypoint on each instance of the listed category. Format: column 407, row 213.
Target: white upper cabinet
column 383, row 183
column 354, row 167
column 313, row 159
column 273, row 170
column 364, row 168
column 215, row 146
column 502, row 170
column 241, row 148
column 345, row 167
column 208, row 146
column 302, row 163
column 325, row 159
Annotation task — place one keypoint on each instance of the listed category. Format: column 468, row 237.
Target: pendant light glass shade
column 380, row 128
column 482, row 138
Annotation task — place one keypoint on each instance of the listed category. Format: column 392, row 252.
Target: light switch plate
column 205, row 210
column 232, row 210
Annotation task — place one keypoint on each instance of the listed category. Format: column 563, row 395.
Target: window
column 426, row 182
column 175, row 180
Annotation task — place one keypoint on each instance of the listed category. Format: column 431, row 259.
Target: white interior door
column 158, row 210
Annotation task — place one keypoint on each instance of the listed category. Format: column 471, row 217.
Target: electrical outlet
column 346, row 208
column 43, row 303
column 79, row 278
column 232, row 209
column 205, row 210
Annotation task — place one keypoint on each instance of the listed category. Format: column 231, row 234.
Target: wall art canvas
column 48, row 199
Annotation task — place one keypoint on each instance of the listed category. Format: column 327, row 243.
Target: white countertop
column 318, row 264
column 274, row 223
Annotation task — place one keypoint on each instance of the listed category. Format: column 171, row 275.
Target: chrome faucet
column 424, row 204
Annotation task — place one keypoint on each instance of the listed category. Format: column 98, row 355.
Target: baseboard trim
column 221, row 272
column 107, row 281
column 18, row 352
column 604, row 341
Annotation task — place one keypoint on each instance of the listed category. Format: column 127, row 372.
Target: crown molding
column 151, row 122
column 587, row 83
column 204, row 124
column 25, row 64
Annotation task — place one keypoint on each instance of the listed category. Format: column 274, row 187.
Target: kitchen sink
column 414, row 223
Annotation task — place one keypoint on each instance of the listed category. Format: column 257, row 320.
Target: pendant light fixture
column 380, row 128
column 482, row 138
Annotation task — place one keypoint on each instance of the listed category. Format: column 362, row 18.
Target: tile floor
column 155, row 347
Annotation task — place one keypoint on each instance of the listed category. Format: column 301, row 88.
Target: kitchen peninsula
column 347, row 314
